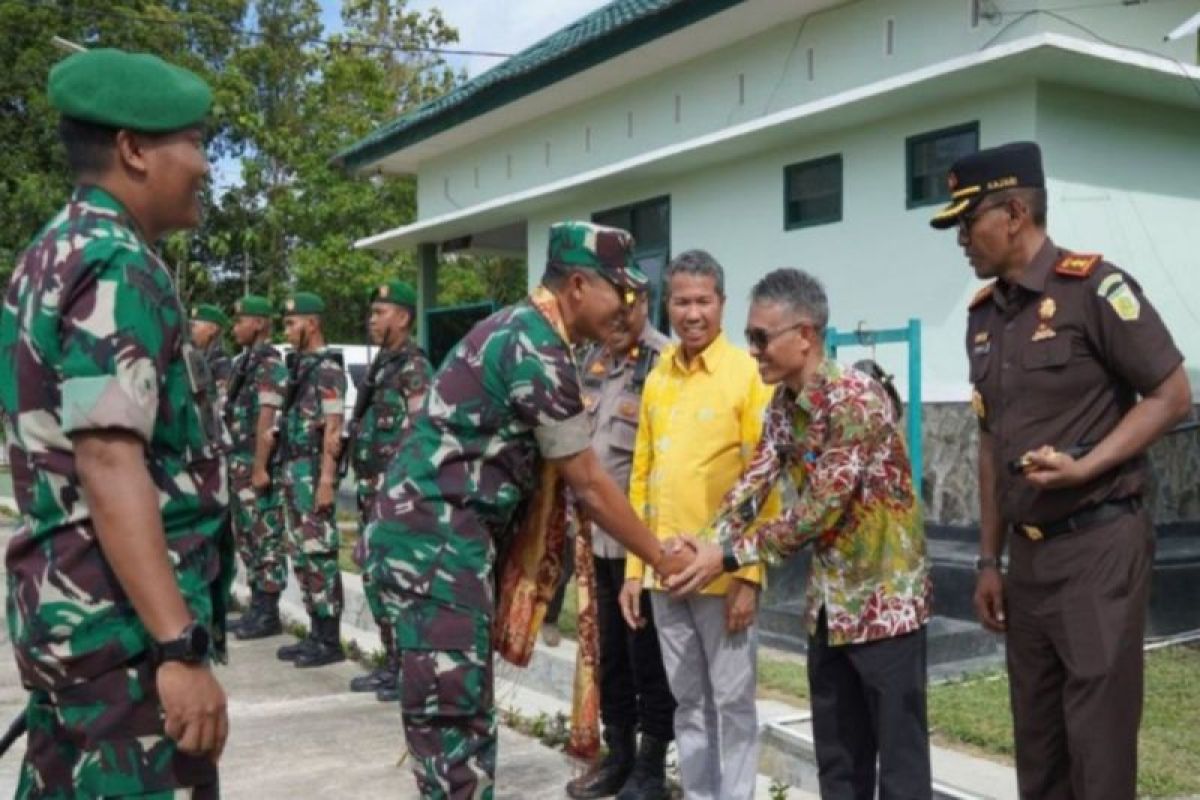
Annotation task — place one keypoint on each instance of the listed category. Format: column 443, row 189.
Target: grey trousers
column 712, row 675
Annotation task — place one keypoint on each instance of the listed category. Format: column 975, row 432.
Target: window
column 812, row 193
column 929, row 158
column 889, row 37
column 650, row 223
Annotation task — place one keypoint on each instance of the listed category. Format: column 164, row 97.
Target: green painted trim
column 480, row 97
column 921, row 138
column 791, row 169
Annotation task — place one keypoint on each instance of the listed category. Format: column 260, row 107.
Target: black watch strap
column 191, row 646
column 730, row 562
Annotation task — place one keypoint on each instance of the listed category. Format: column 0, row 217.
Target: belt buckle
column 1033, row 533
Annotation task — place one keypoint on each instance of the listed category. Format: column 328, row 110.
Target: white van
column 356, row 360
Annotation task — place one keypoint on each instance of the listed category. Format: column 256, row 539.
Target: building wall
column 762, row 75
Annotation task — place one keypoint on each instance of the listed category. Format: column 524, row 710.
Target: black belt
column 1080, row 520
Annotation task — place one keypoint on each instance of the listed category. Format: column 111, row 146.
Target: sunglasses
column 967, row 221
column 760, row 338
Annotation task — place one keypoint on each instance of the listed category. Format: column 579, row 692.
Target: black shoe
column 373, row 681
column 265, row 623
column 328, row 645
column 290, row 652
column 388, row 694
column 249, row 613
column 607, row 777
column 648, row 781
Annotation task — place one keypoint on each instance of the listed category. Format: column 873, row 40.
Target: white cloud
column 504, row 27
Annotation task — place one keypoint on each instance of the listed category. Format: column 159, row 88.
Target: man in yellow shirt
column 700, row 420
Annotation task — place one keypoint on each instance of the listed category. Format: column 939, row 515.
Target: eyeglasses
column 760, row 338
column 967, row 221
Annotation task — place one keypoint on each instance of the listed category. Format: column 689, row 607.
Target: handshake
column 687, row 565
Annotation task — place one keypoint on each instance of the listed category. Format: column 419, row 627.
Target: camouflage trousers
column 367, row 489
column 104, row 738
column 446, row 697
column 313, row 541
column 259, row 530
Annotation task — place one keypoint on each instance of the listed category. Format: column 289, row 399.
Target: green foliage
column 284, row 106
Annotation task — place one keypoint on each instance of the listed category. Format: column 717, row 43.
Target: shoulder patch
column 1077, row 265
column 981, row 295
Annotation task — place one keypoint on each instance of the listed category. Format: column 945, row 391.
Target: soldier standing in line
column 395, row 387
column 1075, row 376
column 255, row 396
column 118, row 575
column 506, row 402
column 634, row 694
column 309, row 439
column 208, row 324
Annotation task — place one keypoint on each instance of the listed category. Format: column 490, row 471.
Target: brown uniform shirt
column 1057, row 359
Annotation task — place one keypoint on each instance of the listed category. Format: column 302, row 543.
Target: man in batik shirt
column 833, row 432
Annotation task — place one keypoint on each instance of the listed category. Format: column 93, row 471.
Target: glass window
column 812, row 193
column 929, row 158
column 650, row 223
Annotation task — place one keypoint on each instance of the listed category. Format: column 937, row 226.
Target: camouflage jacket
column 93, row 336
column 321, row 391
column 507, row 396
column 220, row 366
column 401, row 379
column 259, row 379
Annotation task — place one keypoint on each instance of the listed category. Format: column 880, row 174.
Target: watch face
column 198, row 642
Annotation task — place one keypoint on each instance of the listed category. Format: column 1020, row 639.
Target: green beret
column 303, row 303
column 136, row 91
column 396, row 292
column 605, row 251
column 253, row 305
column 210, row 313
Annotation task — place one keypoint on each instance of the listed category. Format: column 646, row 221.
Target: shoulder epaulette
column 1077, row 265
column 981, row 295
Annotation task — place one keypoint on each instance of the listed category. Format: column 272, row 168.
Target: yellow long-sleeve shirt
column 697, row 429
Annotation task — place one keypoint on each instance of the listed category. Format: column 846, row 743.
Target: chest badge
column 977, row 404
column 982, row 344
column 597, row 368
column 1045, row 312
column 628, row 408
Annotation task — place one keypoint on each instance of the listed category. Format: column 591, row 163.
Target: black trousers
column 633, row 683
column 868, row 704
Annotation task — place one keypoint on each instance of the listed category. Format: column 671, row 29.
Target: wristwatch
column 730, row 562
column 986, row 562
column 190, row 646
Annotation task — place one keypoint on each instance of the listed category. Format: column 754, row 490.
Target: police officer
column 506, row 402
column 116, row 579
column 634, row 694
column 1062, row 345
column 208, row 324
column 256, row 393
column 395, row 387
column 309, row 441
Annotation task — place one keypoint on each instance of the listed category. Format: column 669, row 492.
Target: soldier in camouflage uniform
column 395, row 387
column 507, row 398
column 118, row 573
column 255, row 396
column 208, row 324
column 311, row 437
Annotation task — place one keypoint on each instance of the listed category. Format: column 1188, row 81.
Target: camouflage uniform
column 257, row 517
column 507, row 397
column 401, row 379
column 220, row 367
column 313, row 539
column 92, row 336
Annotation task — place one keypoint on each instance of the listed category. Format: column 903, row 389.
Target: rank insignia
column 1077, row 266
column 597, row 368
column 1120, row 296
column 977, row 404
column 982, row 344
column 1046, row 309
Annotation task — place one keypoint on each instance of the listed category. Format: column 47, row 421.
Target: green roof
column 606, row 33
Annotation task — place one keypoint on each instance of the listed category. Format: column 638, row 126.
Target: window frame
column 921, row 138
column 791, row 169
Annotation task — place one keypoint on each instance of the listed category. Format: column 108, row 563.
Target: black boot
column 265, row 622
column 611, row 773
column 290, row 652
column 328, row 647
column 248, row 614
column 389, row 691
column 384, row 674
column 649, row 778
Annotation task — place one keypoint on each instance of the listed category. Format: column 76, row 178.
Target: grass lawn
column 974, row 714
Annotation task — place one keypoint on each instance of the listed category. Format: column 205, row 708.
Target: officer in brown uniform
column 1074, row 376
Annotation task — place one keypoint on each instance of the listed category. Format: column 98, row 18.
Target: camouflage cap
column 206, row 312
column 253, row 305
column 136, row 91
column 396, row 292
column 303, row 303
column 606, row 251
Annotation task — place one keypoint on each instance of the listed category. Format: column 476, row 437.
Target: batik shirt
column 507, row 397
column 837, row 441
column 93, row 337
